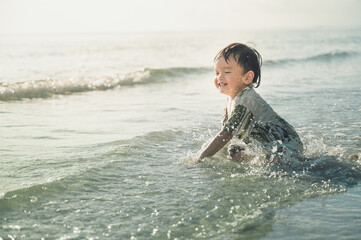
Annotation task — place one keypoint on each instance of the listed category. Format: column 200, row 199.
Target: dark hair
column 247, row 57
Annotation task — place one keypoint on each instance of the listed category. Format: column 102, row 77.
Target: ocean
column 99, row 134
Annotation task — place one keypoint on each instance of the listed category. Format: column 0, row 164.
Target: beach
column 99, row 134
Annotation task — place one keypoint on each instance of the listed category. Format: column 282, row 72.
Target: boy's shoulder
column 248, row 97
column 251, row 100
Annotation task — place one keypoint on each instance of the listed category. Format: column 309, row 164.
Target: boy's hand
column 199, row 160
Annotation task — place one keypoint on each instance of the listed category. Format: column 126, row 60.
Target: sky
column 106, row 16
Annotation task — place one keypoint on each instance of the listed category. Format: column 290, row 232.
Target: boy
column 247, row 115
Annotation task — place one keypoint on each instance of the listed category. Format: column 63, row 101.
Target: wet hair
column 246, row 57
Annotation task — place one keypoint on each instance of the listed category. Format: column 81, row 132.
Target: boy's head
column 246, row 57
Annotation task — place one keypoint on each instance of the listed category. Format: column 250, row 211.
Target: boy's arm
column 221, row 139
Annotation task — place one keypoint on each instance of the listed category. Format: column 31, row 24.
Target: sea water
column 99, row 133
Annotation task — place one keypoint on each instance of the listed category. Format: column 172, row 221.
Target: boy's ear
column 249, row 77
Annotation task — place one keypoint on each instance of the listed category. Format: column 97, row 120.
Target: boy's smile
column 229, row 78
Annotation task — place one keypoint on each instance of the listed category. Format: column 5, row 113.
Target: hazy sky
column 58, row 16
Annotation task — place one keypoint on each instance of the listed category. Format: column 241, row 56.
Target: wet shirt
column 249, row 118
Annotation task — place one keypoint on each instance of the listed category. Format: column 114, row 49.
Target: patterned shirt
column 251, row 118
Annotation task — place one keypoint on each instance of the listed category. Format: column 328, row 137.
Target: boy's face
column 230, row 78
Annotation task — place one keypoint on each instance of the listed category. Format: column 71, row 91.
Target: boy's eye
column 227, row 72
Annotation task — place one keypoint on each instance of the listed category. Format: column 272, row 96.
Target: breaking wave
column 328, row 56
column 49, row 87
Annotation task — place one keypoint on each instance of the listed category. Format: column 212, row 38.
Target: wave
column 325, row 175
column 48, row 88
column 114, row 155
column 328, row 56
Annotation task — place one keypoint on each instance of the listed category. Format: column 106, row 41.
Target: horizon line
column 279, row 28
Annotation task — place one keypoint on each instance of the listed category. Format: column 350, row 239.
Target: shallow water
column 99, row 134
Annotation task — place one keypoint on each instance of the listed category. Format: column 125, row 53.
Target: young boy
column 248, row 118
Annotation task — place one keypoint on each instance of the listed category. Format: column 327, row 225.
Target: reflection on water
column 115, row 158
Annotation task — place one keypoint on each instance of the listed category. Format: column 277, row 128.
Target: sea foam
column 49, row 87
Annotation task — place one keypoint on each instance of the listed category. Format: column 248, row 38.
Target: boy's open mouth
column 222, row 84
